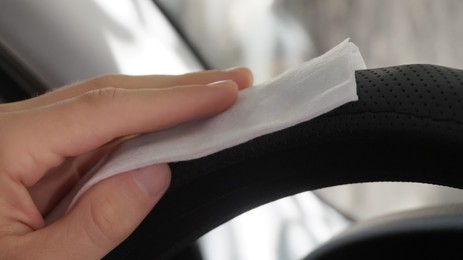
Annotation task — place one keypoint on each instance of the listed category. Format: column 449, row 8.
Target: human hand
column 47, row 143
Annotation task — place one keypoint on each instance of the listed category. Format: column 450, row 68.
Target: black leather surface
column 407, row 126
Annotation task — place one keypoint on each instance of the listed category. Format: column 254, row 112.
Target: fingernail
column 221, row 83
column 242, row 76
column 153, row 179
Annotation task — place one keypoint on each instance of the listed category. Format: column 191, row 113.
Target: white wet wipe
column 296, row 96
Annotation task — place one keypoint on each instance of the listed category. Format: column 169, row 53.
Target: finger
column 49, row 190
column 102, row 218
column 39, row 139
column 241, row 76
column 56, row 183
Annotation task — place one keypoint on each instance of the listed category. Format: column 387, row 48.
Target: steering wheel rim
column 406, row 126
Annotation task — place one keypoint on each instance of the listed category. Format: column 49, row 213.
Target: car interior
column 404, row 134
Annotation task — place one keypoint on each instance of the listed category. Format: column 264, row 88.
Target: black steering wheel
column 407, row 126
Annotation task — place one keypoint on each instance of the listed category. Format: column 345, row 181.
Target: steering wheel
column 407, row 126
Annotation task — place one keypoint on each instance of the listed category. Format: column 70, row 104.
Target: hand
column 47, row 143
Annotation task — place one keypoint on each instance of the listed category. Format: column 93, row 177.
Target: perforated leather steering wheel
column 406, row 126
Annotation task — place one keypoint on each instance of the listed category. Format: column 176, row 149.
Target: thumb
column 105, row 216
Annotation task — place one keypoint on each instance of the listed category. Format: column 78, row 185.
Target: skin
column 48, row 143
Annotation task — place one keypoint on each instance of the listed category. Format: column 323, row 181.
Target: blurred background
column 272, row 35
column 55, row 43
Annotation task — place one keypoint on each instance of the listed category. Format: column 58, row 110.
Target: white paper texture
column 295, row 96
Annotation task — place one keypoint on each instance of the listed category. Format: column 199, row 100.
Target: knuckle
column 103, row 96
column 109, row 80
column 109, row 227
